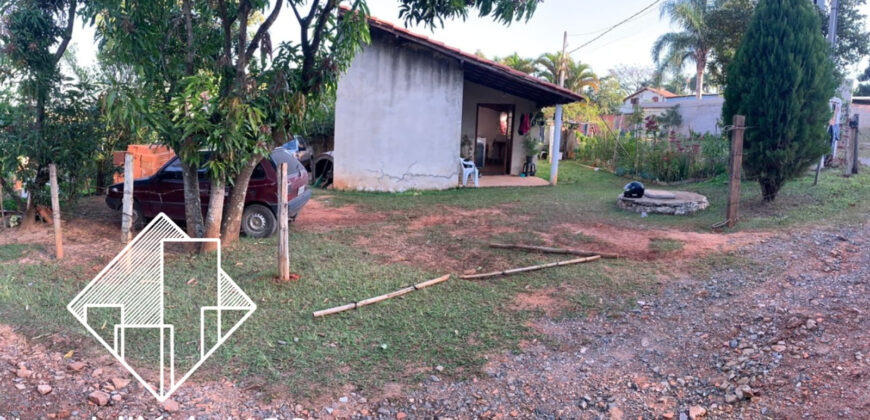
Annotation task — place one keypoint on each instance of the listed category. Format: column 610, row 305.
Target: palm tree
column 692, row 43
column 578, row 76
column 523, row 64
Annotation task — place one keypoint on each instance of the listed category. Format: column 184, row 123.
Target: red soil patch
column 542, row 300
column 635, row 243
column 318, row 216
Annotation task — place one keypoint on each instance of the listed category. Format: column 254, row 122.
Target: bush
column 698, row 157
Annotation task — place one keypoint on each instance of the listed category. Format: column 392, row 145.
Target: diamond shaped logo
column 134, row 311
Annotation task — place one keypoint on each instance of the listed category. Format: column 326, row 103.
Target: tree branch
column 252, row 47
column 67, row 32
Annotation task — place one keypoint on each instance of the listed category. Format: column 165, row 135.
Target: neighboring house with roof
column 699, row 116
column 408, row 107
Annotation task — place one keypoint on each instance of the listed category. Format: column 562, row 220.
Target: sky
column 629, row 44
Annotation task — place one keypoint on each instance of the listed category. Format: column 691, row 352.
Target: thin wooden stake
column 2, row 210
column 55, row 211
column 731, row 212
column 376, row 299
column 530, row 268
column 283, row 225
column 549, row 250
column 127, row 203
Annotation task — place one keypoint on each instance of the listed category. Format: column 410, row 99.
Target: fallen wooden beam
column 549, row 250
column 531, row 268
column 376, row 299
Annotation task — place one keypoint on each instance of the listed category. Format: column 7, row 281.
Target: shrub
column 781, row 79
column 699, row 156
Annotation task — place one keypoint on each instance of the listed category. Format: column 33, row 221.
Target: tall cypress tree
column 782, row 79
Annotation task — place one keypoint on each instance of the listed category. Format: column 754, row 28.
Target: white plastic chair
column 468, row 168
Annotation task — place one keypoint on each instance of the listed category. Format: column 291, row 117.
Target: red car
column 163, row 192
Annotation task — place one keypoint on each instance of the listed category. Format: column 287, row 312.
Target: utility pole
column 557, row 119
column 832, row 38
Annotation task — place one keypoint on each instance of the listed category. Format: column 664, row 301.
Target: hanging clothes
column 525, row 124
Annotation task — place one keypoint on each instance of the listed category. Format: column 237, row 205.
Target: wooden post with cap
column 283, row 225
column 55, row 211
column 731, row 213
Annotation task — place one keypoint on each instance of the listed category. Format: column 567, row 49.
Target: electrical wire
column 624, row 21
column 631, row 19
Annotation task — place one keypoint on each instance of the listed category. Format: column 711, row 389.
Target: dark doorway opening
column 494, row 138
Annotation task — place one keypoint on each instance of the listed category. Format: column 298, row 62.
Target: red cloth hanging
column 525, row 124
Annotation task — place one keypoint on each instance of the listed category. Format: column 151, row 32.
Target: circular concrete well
column 664, row 202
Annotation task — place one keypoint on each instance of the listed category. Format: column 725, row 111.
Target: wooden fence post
column 55, row 211
column 283, row 225
column 2, row 210
column 854, row 124
column 731, row 215
column 127, row 204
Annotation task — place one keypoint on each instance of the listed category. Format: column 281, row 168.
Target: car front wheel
column 258, row 221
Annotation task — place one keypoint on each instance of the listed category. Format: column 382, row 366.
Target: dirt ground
column 787, row 337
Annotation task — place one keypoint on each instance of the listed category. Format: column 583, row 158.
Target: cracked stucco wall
column 398, row 115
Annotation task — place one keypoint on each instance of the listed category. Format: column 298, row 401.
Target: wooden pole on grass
column 127, row 204
column 731, row 213
column 550, row 250
column 283, row 225
column 530, row 268
column 377, row 299
column 55, row 211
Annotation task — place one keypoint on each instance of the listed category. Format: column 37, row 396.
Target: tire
column 258, row 221
column 138, row 218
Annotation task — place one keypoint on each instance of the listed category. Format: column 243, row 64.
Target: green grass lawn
column 455, row 324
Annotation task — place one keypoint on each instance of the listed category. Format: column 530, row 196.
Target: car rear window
column 281, row 155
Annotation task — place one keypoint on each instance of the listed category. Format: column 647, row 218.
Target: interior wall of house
column 397, row 119
column 474, row 94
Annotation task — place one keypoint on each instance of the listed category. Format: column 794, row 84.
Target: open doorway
column 494, row 138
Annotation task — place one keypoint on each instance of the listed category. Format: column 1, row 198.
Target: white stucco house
column 699, row 115
column 407, row 102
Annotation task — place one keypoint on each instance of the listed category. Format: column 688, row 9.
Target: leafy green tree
column 523, row 64
column 579, row 76
column 202, row 86
column 34, row 36
column 781, row 79
column 853, row 38
column 632, row 78
column 692, row 43
column 727, row 23
column 608, row 97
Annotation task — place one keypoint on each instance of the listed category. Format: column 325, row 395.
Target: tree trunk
column 192, row 203
column 215, row 212
column 699, row 83
column 29, row 220
column 769, row 189
column 233, row 219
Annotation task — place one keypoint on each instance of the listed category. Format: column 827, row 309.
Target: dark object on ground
column 633, row 189
column 322, row 170
column 163, row 192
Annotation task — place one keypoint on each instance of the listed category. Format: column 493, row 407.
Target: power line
column 626, row 20
column 633, row 18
